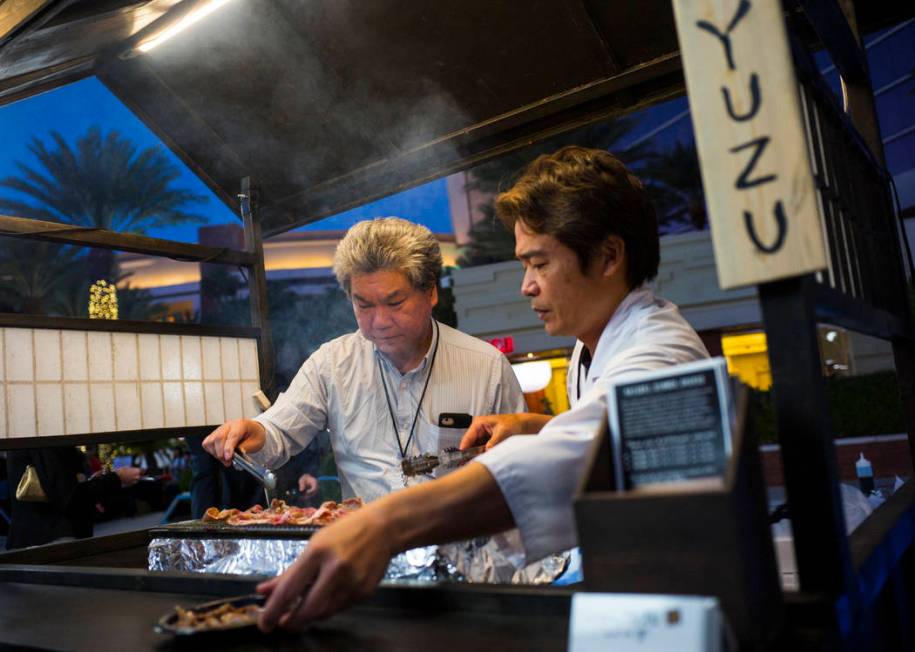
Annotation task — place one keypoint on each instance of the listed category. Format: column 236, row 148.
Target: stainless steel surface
column 447, row 459
column 265, row 476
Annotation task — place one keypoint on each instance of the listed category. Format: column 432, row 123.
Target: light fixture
column 831, row 336
column 533, row 376
column 201, row 10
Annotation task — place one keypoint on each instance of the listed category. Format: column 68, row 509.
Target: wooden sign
column 750, row 136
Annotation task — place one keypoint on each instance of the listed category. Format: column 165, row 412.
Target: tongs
column 265, row 476
column 449, row 458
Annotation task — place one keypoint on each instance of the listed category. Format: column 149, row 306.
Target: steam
column 321, row 114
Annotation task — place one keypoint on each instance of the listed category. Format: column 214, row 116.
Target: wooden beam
column 15, row 14
column 21, row 227
column 257, row 288
column 11, row 320
column 116, row 436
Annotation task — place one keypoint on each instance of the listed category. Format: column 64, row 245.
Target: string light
column 103, row 300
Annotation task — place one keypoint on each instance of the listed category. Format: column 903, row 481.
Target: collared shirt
column 339, row 388
column 538, row 474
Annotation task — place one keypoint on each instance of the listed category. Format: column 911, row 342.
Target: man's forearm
column 534, row 422
column 464, row 504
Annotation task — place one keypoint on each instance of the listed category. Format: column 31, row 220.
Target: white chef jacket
column 538, row 474
column 339, row 388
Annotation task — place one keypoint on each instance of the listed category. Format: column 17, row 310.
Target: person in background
column 71, row 492
column 381, row 390
column 587, row 237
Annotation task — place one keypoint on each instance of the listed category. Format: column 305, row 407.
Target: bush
column 860, row 406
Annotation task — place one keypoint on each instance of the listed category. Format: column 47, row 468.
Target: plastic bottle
column 865, row 473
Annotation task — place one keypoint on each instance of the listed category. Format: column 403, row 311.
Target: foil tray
column 193, row 546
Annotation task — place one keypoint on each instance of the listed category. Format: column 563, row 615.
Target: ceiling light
column 201, row 10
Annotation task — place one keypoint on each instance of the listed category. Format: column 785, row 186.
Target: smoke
column 305, row 92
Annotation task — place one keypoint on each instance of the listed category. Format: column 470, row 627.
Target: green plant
column 859, row 406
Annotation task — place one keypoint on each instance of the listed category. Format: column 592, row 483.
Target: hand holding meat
column 341, row 565
column 495, row 428
column 222, row 442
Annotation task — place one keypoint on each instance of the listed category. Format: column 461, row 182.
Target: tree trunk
column 102, row 265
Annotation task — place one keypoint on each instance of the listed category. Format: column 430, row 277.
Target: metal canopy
column 327, row 104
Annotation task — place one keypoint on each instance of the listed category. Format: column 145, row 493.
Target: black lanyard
column 582, row 362
column 404, row 448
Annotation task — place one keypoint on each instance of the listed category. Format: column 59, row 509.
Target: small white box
column 171, row 357
column 126, row 363
column 76, row 408
column 152, row 407
column 19, row 354
column 173, row 394
column 232, row 400
column 101, row 401
column 127, row 406
column 247, row 359
column 191, row 358
column 21, row 407
column 50, row 403
column 47, row 355
column 212, row 366
column 215, row 410
column 229, row 348
column 75, row 354
column 101, row 359
column 150, row 360
column 194, row 404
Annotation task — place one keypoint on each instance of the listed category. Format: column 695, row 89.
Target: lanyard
column 404, row 448
column 582, row 362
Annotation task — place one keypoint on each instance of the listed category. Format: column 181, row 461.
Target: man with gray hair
column 380, row 390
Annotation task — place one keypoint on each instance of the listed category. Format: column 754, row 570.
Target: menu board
column 672, row 424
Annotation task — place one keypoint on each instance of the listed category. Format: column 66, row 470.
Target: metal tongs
column 265, row 476
column 449, row 458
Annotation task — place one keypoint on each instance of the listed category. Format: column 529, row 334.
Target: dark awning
column 327, row 104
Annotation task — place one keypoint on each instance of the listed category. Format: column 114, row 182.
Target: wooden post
column 805, row 434
column 257, row 287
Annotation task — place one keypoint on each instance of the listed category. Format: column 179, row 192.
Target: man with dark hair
column 587, row 237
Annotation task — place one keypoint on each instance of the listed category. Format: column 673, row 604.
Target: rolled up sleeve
column 296, row 417
column 538, row 476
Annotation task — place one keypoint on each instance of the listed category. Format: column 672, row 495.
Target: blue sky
column 73, row 109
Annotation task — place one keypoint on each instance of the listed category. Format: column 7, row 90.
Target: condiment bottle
column 865, row 473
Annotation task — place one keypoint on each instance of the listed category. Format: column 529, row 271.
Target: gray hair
column 389, row 243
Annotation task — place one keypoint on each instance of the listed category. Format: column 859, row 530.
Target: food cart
column 293, row 111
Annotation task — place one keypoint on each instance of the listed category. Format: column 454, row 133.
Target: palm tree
column 39, row 277
column 104, row 182
column 674, row 182
column 489, row 241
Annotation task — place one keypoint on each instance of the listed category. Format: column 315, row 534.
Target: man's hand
column 128, row 475
column 345, row 561
column 341, row 565
column 222, row 442
column 495, row 428
column 308, row 485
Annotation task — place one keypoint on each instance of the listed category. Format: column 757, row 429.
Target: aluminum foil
column 493, row 560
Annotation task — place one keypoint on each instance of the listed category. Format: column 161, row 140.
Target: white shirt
column 538, row 474
column 339, row 388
